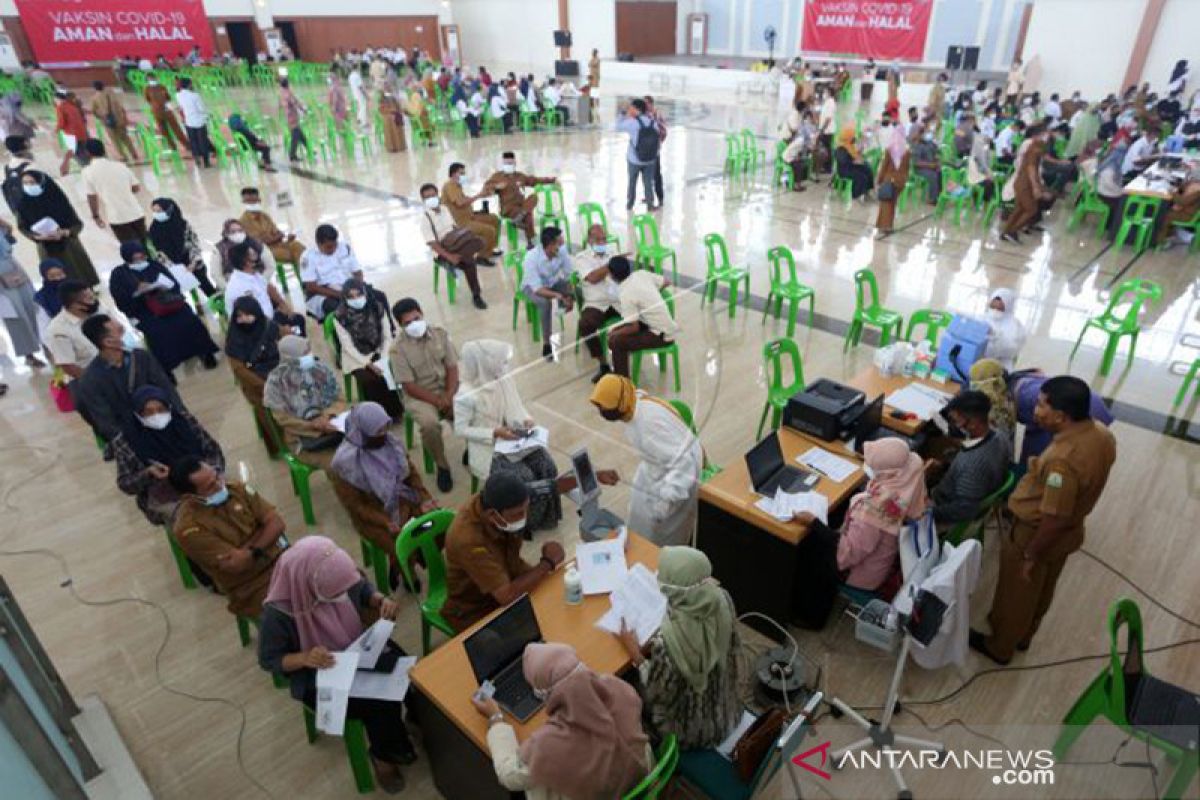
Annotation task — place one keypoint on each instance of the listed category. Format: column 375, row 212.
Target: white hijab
column 485, row 365
column 1006, row 334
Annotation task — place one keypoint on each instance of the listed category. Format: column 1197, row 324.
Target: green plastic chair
column 552, row 210
column 781, row 174
column 934, row 322
column 778, row 392
column 420, row 534
column 440, row 266
column 1192, row 225
column 870, row 313
column 786, row 286
column 669, row 351
column 1111, row 693
column 653, row 784
column 988, row 507
column 986, row 207
column 685, row 413
column 590, row 214
column 354, row 736
column 734, row 159
column 1136, row 292
column 300, row 472
column 753, row 156
column 186, row 576
column 721, row 271
column 915, row 189
column 1187, row 381
column 650, row 251
column 335, row 347
column 945, row 199
column 1138, row 219
column 1090, row 203
column 510, row 233
column 842, row 186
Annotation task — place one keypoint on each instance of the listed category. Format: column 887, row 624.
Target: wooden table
column 873, row 384
column 754, row 555
column 455, row 734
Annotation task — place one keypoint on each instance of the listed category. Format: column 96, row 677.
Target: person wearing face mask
column 976, row 470
column 484, row 568
column 16, row 293
column 455, row 246
column 69, row 349
column 42, row 203
column 364, row 330
column 987, row 376
column 325, row 269
column 507, row 184
column 165, row 120
column 103, row 394
column 601, row 295
column 546, row 280
column 689, row 669
column 417, row 111
column 154, row 434
column 926, row 160
column 425, row 364
column 259, row 226
column 147, row 293
column 111, row 185
column 317, row 603
column 1049, row 506
column 233, row 234
column 376, row 480
column 461, row 208
column 248, row 278
column 251, row 348
column 302, row 393
column 592, row 743
column 176, row 240
column 663, row 499
column 1006, row 334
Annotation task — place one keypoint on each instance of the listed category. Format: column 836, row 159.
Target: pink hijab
column 897, row 491
column 897, row 145
column 592, row 745
column 309, row 584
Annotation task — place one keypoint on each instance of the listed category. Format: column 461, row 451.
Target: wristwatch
column 494, row 718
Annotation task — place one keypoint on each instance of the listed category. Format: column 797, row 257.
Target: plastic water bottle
column 573, row 585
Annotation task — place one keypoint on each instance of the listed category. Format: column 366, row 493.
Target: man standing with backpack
column 660, row 124
column 642, row 156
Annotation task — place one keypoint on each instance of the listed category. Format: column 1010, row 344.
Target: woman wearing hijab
column 238, row 125
column 336, row 97
column 1006, row 334
column 234, row 233
column 418, row 111
column 149, row 295
column 689, row 669
column 988, row 376
column 18, row 302
column 42, row 199
column 315, row 607
column 592, row 744
column 393, row 121
column 458, row 99
column 365, row 330
column 1110, row 185
column 488, row 407
column 176, row 240
column 155, row 433
column 498, row 107
column 53, row 272
column 376, row 480
column 979, row 165
column 851, row 165
column 893, row 172
column 302, row 393
column 248, row 278
column 13, row 121
column 252, row 348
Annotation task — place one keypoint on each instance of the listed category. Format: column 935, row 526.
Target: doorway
column 241, row 40
column 288, row 31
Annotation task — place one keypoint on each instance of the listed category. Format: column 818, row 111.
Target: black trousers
column 199, row 144
column 373, row 387
column 298, row 139
column 384, row 721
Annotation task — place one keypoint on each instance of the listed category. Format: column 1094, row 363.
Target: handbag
column 886, row 191
column 165, row 303
column 309, row 444
column 750, row 750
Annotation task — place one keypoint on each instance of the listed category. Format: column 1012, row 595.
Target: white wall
column 594, row 25
column 1083, row 44
column 507, row 35
column 1175, row 39
column 321, row 8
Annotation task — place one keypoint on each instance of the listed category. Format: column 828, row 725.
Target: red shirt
column 69, row 119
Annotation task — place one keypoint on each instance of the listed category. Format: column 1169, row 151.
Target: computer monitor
column 585, row 476
column 764, row 460
column 495, row 645
column 867, row 423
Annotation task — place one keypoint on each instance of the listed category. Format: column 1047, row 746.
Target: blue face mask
column 307, row 361
column 219, row 498
column 600, row 249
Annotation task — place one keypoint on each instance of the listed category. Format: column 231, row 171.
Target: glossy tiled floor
column 190, row 703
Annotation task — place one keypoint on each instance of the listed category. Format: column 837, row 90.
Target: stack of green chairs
column 590, row 214
column 719, row 271
column 1089, row 203
column 650, row 251
column 753, row 156
column 868, row 311
column 934, row 323
column 735, row 160
column 1138, row 219
column 779, row 390
column 786, row 287
column 961, row 202
column 1136, row 292
column 420, row 535
column 552, row 210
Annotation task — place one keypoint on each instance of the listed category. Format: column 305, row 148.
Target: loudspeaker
column 954, row 57
column 971, row 59
column 562, row 38
column 624, row 56
column 566, row 69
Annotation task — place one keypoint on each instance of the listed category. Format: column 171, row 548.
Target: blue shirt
column 543, row 272
column 633, row 126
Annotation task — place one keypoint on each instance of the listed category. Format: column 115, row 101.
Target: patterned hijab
column 987, row 376
column 299, row 391
column 698, row 628
column 364, row 325
column 896, row 492
column 382, row 471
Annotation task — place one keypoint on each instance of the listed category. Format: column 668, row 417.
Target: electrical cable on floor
column 1154, row 602
column 68, row 583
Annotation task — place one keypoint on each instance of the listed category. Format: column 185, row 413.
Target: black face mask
column 374, row 442
column 246, row 325
column 611, row 415
column 92, row 307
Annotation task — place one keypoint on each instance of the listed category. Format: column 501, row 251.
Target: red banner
column 66, row 31
column 883, row 30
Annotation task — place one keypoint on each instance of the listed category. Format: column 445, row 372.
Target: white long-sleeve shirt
column 663, row 497
column 195, row 113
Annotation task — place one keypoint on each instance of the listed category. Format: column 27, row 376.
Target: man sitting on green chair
column 647, row 318
column 975, row 471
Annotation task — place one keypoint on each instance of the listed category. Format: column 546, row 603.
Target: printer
column 825, row 409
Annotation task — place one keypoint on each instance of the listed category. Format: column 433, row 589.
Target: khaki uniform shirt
column 66, row 342
column 424, row 361
column 105, row 103
column 1065, row 481
column 508, row 186
column 260, row 226
column 479, row 560
column 206, row 532
column 456, row 201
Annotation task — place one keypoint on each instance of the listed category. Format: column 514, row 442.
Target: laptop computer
column 869, row 427
column 495, row 652
column 768, row 472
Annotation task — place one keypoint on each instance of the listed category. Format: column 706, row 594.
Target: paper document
column 44, row 226
column 836, row 468
column 725, row 748
column 333, row 692
column 783, row 506
column 187, row 281
column 601, row 565
column 385, row 364
column 163, row 282
column 638, row 603
column 372, row 643
column 923, row 401
column 539, row 437
column 338, row 421
column 382, row 685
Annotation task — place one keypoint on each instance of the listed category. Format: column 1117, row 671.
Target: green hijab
column 698, row 628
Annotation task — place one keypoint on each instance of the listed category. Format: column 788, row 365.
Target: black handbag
column 886, row 191
column 327, row 441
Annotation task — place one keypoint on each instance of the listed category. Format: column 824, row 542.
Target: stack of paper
column 371, row 644
column 333, row 692
column 783, row 506
column 835, row 468
column 919, row 399
column 44, row 226
column 186, row 280
column 338, row 421
column 637, row 605
column 381, row 685
column 539, row 437
column 601, row 565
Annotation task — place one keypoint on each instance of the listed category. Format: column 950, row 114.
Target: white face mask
column 32, row 189
column 139, row 265
column 156, row 422
column 254, row 206
column 357, row 303
column 307, row 361
column 237, row 237
column 460, row 179
column 129, row 340
column 513, row 527
column 432, row 203
column 161, row 216
column 509, row 168
column 600, row 248
column 416, row 329
column 995, row 313
column 870, row 473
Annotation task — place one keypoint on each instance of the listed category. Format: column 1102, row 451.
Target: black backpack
column 648, row 142
column 11, row 187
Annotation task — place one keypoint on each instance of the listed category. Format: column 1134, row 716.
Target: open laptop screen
column 493, row 646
